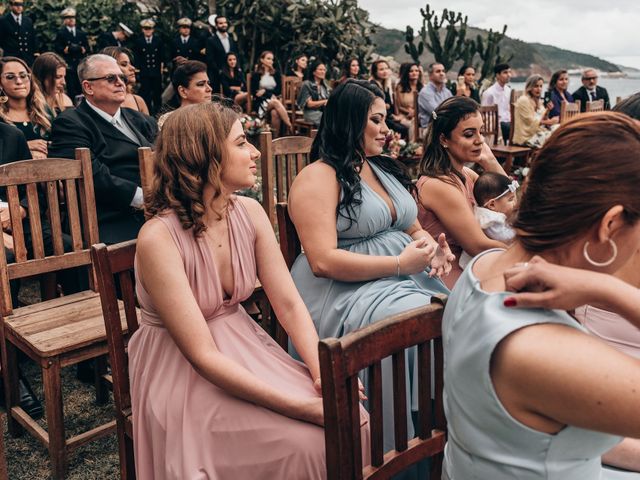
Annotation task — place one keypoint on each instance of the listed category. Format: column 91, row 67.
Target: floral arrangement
column 520, row 174
column 396, row 147
column 252, row 125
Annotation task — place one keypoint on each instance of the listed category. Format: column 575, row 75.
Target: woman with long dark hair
column 381, row 78
column 365, row 254
column 445, row 187
column 350, row 69
column 266, row 86
column 410, row 83
column 314, row 92
column 49, row 71
column 559, row 88
column 466, row 85
column 232, row 80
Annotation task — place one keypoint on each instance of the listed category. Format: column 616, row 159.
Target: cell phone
column 547, row 97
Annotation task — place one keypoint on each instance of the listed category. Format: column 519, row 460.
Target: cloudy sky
column 609, row 29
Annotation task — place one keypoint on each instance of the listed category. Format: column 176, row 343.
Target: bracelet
column 398, row 265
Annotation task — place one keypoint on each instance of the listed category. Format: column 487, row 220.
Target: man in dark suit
column 17, row 36
column 118, row 38
column 217, row 47
column 590, row 91
column 72, row 44
column 113, row 135
column 185, row 46
column 148, row 49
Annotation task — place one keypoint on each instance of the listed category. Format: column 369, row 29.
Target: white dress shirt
column 498, row 95
column 224, row 39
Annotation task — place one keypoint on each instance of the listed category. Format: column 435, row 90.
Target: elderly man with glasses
column 113, row 134
column 17, row 36
column 590, row 91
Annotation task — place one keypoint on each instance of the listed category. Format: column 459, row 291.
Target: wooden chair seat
column 57, row 326
column 509, row 153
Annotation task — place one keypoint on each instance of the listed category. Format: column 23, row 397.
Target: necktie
column 184, row 41
column 149, row 40
column 19, row 21
column 592, row 94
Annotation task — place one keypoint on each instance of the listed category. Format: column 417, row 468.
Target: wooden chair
column 146, row 158
column 491, row 131
column 4, row 475
column 416, row 119
column 289, row 94
column 595, row 106
column 248, row 106
column 281, row 160
column 569, row 110
column 300, row 125
column 60, row 332
column 114, row 266
column 342, row 359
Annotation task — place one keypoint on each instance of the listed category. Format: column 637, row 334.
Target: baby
column 495, row 196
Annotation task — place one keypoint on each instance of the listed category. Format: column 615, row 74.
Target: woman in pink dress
column 213, row 396
column 445, row 186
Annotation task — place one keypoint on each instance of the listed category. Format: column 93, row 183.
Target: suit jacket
column 114, row 160
column 74, row 54
column 149, row 57
column 17, row 40
column 582, row 95
column 105, row 40
column 190, row 50
column 216, row 56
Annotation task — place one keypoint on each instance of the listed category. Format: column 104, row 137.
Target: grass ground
column 28, row 459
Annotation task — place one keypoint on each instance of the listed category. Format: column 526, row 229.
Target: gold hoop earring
column 3, row 97
column 614, row 254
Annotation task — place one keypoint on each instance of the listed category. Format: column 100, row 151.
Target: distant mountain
column 527, row 58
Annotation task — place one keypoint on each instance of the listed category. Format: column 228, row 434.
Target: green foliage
column 489, row 52
column 94, row 17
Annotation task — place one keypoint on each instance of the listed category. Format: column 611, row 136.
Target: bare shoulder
column 470, row 173
column 253, row 207
column 316, row 171
column 154, row 234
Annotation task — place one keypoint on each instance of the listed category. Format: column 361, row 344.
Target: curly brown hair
column 189, row 153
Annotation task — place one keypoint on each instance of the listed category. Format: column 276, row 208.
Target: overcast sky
column 609, row 29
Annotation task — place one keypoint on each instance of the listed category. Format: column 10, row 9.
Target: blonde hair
column 36, row 103
column 189, row 153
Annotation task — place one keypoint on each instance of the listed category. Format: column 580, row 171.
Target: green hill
column 527, row 58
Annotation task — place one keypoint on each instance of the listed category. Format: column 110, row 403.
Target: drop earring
column 3, row 97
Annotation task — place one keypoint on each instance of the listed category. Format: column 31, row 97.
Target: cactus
column 411, row 48
column 450, row 48
column 489, row 52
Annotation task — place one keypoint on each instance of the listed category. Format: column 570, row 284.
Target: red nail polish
column 510, row 302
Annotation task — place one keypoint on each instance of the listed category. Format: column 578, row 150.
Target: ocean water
column 617, row 87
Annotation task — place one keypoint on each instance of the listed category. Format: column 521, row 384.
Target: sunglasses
column 17, row 4
column 589, row 78
column 111, row 78
column 12, row 77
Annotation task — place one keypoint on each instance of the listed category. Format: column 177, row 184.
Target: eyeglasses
column 111, row 78
column 12, row 77
column 588, row 79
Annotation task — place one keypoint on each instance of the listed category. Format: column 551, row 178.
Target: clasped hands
column 425, row 252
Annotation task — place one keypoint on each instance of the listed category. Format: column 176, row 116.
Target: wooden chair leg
column 508, row 164
column 55, row 419
column 127, row 463
column 11, row 379
column 102, row 393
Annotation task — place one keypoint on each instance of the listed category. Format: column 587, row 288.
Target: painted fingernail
column 510, row 302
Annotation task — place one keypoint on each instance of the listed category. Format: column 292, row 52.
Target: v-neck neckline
column 374, row 169
column 232, row 258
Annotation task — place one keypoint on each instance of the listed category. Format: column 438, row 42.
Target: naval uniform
column 149, row 58
column 17, row 40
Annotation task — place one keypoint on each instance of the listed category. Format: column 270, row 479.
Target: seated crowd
column 213, row 395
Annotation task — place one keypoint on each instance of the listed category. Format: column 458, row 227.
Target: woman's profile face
column 375, row 131
column 563, row 82
column 536, row 91
column 232, row 61
column 301, row 62
column 124, row 62
column 383, row 72
column 60, row 83
column 469, row 75
column 239, row 167
column 354, row 68
column 198, row 91
column 267, row 60
column 15, row 80
column 466, row 140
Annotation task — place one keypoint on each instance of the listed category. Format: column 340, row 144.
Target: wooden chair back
column 290, row 93
column 146, row 159
column 595, row 106
column 289, row 241
column 515, row 95
column 25, row 177
column 490, row 124
column 248, row 106
column 342, row 359
column 281, row 160
column 569, row 110
column 114, row 269
column 416, row 118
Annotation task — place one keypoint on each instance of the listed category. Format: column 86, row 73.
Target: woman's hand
column 545, row 285
column 310, row 410
column 441, row 261
column 317, row 384
column 486, row 156
column 416, row 256
column 39, row 146
column 260, row 92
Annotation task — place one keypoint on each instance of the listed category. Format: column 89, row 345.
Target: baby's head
column 496, row 192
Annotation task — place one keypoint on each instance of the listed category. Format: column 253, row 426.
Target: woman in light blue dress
column 529, row 394
column 365, row 255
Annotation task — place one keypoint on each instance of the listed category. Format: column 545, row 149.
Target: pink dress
column 187, row 428
column 432, row 224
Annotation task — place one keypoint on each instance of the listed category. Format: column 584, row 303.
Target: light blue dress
column 484, row 441
column 339, row 307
